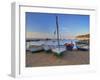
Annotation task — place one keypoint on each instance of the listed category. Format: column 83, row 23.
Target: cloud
column 41, row 35
column 38, row 35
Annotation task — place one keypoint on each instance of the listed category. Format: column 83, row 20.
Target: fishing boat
column 58, row 49
column 35, row 49
column 83, row 46
column 33, row 46
column 46, row 48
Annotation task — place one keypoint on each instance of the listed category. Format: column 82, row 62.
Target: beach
column 42, row 58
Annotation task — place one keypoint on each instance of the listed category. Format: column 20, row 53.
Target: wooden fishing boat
column 35, row 49
column 58, row 49
column 81, row 45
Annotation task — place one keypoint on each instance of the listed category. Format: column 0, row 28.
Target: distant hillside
column 83, row 37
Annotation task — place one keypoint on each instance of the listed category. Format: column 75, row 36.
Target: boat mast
column 57, row 32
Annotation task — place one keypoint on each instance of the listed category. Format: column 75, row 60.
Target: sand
column 49, row 59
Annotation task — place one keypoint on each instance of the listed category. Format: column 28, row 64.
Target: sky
column 43, row 25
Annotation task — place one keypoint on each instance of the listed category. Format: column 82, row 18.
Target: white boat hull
column 59, row 50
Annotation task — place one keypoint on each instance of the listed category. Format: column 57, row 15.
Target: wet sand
column 49, row 59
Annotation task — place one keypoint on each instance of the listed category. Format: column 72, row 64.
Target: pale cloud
column 69, row 36
column 38, row 35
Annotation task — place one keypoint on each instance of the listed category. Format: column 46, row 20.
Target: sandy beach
column 49, row 59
